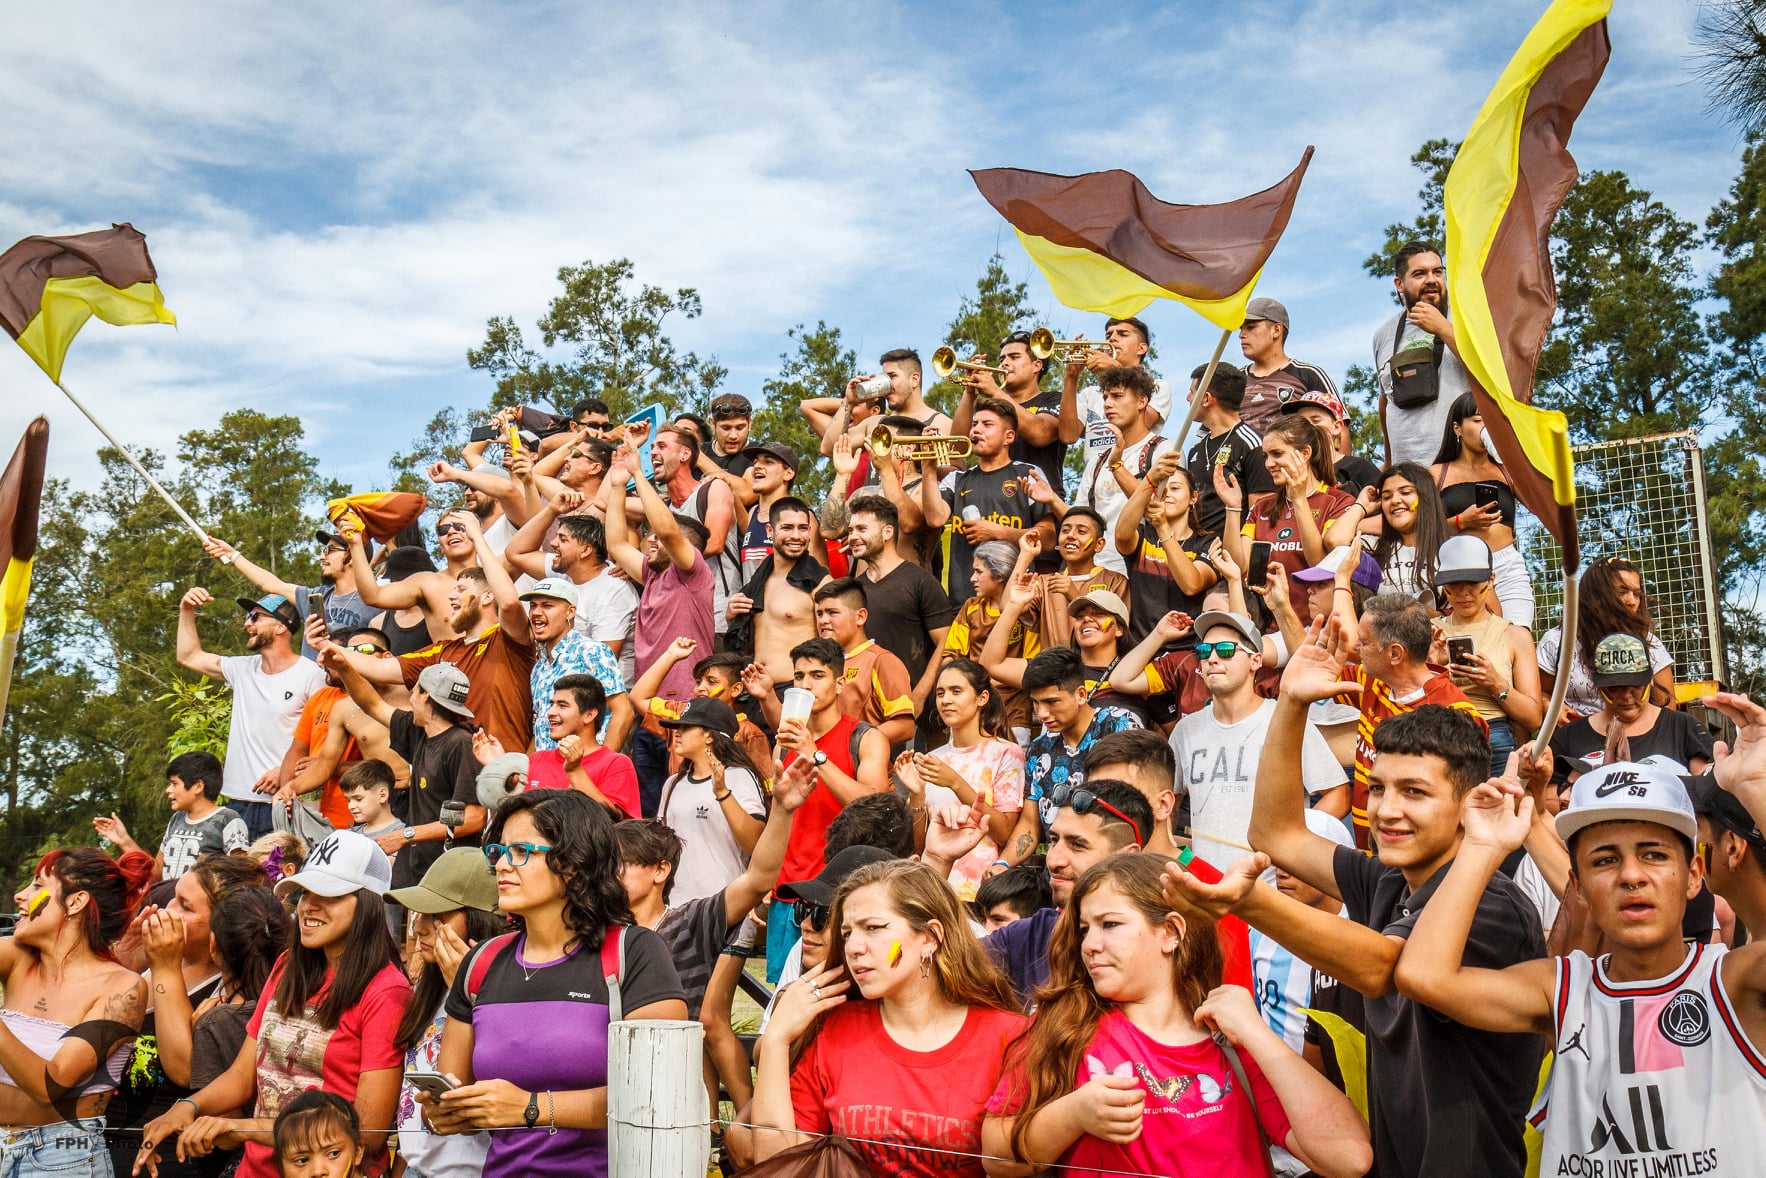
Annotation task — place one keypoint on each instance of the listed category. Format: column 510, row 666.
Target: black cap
column 404, row 561
column 327, row 539
column 777, row 450
column 713, row 715
column 1710, row 800
column 821, row 889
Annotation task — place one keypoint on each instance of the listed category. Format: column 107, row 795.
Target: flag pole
column 1189, row 418
column 134, row 462
column 1566, row 656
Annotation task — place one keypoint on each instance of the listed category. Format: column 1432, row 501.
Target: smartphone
column 433, row 1083
column 1257, row 570
column 1459, row 651
column 484, row 433
column 1486, row 494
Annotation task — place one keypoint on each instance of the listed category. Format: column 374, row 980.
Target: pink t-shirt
column 612, row 773
column 296, row 1053
column 674, row 605
column 1196, row 1120
column 994, row 769
column 856, row 1081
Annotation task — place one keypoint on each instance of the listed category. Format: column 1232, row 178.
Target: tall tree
column 615, row 347
column 1731, row 40
column 1432, row 159
column 1738, row 331
column 998, row 307
column 819, row 367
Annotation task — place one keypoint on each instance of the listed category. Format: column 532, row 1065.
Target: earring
column 926, row 965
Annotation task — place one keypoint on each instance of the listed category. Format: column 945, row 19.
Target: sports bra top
column 1464, row 496
column 44, row 1037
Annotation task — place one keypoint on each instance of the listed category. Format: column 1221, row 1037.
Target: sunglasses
column 1225, row 650
column 518, row 853
column 1084, row 801
column 444, row 529
column 252, row 616
column 367, row 648
column 816, row 914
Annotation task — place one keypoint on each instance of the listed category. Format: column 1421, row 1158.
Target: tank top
column 1487, row 639
column 402, row 639
column 1678, row 1088
column 1464, row 496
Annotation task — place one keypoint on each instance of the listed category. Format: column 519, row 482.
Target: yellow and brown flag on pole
column 21, row 497
column 1106, row 244
column 1511, row 175
column 50, row 286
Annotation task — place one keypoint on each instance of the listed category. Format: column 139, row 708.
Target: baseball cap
column 1239, row 622
column 1367, row 569
column 555, row 587
column 345, row 862
column 276, row 605
column 446, row 686
column 1725, row 810
column 327, row 539
column 713, row 715
column 1329, row 402
column 496, row 781
column 821, row 889
column 1102, row 599
column 1266, row 309
column 1461, row 559
column 1621, row 660
column 778, row 450
column 406, row 560
column 461, row 878
column 1627, row 791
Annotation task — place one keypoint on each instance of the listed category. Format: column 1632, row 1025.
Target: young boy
column 717, row 676
column 1010, row 896
column 198, row 827
column 367, row 787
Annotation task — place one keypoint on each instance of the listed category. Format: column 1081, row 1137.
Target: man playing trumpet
column 1047, row 421
column 1125, row 345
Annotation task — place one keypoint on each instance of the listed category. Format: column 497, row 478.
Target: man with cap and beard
column 344, row 607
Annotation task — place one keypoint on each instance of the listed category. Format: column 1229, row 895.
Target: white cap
column 1627, row 791
column 345, row 862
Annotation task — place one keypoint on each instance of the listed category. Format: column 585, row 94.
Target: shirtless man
column 904, row 398
column 777, row 597
column 428, row 591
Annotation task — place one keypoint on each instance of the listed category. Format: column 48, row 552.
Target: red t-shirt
column 1376, row 704
column 857, row 1081
column 1196, row 1119
column 809, row 826
column 296, row 1053
column 613, row 774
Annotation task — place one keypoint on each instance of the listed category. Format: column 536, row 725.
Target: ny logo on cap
column 322, row 857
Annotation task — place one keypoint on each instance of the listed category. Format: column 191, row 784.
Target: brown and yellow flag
column 21, row 497
column 1511, row 175
column 380, row 514
column 1106, row 244
column 50, row 286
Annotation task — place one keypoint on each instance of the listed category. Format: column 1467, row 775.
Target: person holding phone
column 1490, row 658
column 1480, row 500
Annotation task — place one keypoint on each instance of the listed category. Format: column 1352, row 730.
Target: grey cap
column 447, row 687
column 1267, row 309
column 496, row 781
column 1239, row 622
column 554, row 587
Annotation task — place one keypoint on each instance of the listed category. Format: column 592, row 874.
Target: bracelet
column 1342, row 589
column 721, row 798
column 551, row 1113
column 999, row 863
column 1456, row 523
column 1165, row 539
column 1115, row 465
column 191, row 1103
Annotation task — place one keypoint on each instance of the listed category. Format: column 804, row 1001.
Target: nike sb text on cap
column 1628, row 792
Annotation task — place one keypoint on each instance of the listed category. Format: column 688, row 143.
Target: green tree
column 1432, row 159
column 1737, row 459
column 819, row 367
column 1361, row 397
column 614, row 343
column 998, row 307
column 1731, row 40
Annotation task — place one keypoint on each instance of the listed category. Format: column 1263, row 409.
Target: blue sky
column 339, row 195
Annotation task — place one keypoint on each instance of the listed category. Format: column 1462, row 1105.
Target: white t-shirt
column 1414, row 435
column 1531, row 880
column 1583, row 695
column 266, row 709
column 498, row 535
column 710, row 856
column 1098, row 489
column 607, row 610
column 1217, row 765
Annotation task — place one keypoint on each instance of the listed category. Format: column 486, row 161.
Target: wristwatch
column 819, row 759
column 410, row 833
column 531, row 1114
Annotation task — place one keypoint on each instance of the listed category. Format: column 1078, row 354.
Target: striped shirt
column 1377, row 704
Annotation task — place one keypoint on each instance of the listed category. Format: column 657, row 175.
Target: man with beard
column 495, row 648
column 606, row 603
column 561, row 649
column 344, row 607
column 1272, row 377
column 901, row 367
column 772, row 469
column 906, row 610
column 1044, row 423
column 1416, row 358
column 775, row 605
column 432, row 592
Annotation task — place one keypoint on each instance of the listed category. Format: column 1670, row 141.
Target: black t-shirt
column 736, row 464
column 1329, row 996
column 1050, row 457
column 1457, row 1096
column 695, row 934
column 1240, row 450
column 1355, row 472
column 902, row 609
column 1000, row 496
column 1152, row 593
column 443, row 769
column 1675, row 735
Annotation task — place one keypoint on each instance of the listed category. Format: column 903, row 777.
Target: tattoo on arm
column 1026, row 844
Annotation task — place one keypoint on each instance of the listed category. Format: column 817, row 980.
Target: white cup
column 796, row 704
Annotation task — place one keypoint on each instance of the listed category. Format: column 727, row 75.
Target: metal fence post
column 658, row 1118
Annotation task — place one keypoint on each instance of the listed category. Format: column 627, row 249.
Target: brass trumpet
column 945, row 362
column 1044, row 346
column 944, row 449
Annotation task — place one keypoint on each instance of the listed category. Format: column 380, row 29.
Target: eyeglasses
column 1225, row 650
column 1084, row 801
column 519, row 853
column 816, row 914
column 367, row 648
column 444, row 529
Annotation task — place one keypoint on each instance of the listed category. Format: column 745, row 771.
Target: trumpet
column 943, row 449
column 945, row 362
column 1044, row 346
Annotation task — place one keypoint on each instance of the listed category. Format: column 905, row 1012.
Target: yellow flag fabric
column 1350, row 1046
column 21, row 497
column 1088, row 282
column 380, row 514
column 1505, row 187
column 69, row 302
column 50, row 287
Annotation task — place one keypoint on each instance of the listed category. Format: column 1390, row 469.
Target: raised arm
column 1129, row 675
column 258, row 575
column 191, row 655
column 1020, row 592
column 362, row 692
column 932, row 505
column 510, row 612
column 525, row 552
column 620, row 549
column 790, row 791
column 395, row 596
column 504, row 491
column 661, row 518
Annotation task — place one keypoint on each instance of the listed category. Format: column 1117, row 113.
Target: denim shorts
column 66, row 1149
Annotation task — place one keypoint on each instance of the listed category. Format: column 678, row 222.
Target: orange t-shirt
column 315, row 722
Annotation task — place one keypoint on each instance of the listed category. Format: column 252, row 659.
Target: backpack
column 612, row 967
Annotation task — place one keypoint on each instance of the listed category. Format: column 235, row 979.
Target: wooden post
column 658, row 1122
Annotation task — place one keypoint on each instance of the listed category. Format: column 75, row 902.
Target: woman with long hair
column 715, row 802
column 1127, row 1067
column 453, row 908
column 1413, row 526
column 1489, row 657
column 1305, row 519
column 1612, row 601
column 897, row 1039
column 528, row 1013
column 1466, row 471
column 327, row 1018
column 59, row 972
column 1164, row 547
column 980, row 764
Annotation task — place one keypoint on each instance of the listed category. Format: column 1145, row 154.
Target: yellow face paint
column 37, row 902
column 894, row 953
